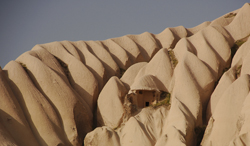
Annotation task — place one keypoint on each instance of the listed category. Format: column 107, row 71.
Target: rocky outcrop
column 15, row 127
column 70, row 93
column 113, row 93
column 203, row 55
column 229, row 105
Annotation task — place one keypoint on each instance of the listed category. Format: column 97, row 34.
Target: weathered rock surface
column 226, row 120
column 102, row 136
column 59, row 92
column 111, row 114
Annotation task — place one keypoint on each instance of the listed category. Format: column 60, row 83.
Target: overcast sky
column 25, row 23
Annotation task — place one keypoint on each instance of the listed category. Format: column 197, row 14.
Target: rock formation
column 183, row 86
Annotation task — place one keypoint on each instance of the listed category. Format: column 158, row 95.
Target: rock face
column 183, row 86
column 111, row 114
column 102, row 136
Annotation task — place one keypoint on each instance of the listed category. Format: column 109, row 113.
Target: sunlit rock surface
column 183, row 86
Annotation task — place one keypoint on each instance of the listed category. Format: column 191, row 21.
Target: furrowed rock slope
column 89, row 92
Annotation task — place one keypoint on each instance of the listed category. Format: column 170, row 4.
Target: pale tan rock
column 133, row 134
column 160, row 66
column 42, row 117
column 52, row 98
column 225, row 33
column 182, row 47
column 222, row 21
column 93, row 64
column 147, row 82
column 197, row 28
column 206, row 54
column 180, row 125
column 225, row 19
column 239, row 27
column 226, row 80
column 210, row 43
column 229, row 77
column 178, row 33
column 71, row 49
column 144, row 128
column 130, row 74
column 165, row 38
column 153, row 120
column 120, row 56
column 130, row 46
column 226, row 113
column 245, row 61
column 12, row 116
column 49, row 60
column 219, row 44
column 102, row 136
column 190, row 95
column 71, row 109
column 56, row 65
column 76, row 72
column 97, row 49
column 242, row 140
column 193, row 83
column 203, row 44
column 243, row 127
column 175, row 138
column 110, row 103
column 5, row 138
column 146, row 43
column 241, row 53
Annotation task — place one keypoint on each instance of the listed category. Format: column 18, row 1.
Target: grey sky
column 25, row 23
